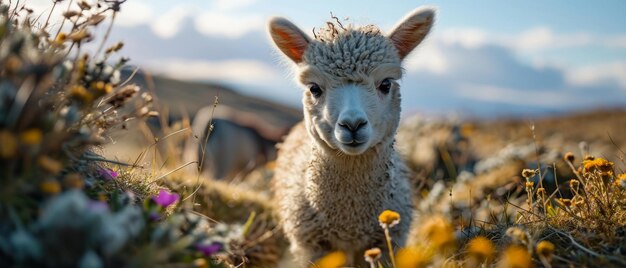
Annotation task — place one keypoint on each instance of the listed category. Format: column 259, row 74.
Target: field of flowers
column 64, row 205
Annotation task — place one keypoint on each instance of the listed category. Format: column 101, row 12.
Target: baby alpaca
column 338, row 169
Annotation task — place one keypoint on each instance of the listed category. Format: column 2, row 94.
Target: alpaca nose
column 353, row 125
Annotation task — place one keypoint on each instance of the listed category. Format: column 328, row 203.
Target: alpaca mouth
column 354, row 143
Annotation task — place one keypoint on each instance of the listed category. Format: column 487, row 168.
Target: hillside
column 185, row 98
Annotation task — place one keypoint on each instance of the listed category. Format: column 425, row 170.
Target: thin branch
column 106, row 35
column 100, row 159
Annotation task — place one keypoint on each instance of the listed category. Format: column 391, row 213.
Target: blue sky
column 484, row 58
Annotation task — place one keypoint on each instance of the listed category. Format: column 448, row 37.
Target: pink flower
column 209, row 249
column 108, row 174
column 165, row 198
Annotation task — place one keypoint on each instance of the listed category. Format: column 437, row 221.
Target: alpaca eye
column 385, row 86
column 315, row 89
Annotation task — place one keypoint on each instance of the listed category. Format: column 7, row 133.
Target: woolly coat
column 329, row 202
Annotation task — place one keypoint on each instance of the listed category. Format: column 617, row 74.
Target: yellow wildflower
column 598, row 164
column 621, row 181
column 528, row 173
column 74, row 180
column 515, row 257
column 49, row 164
column 97, row 85
column 9, row 144
column 61, row 37
column 545, row 249
column 79, row 35
column 108, row 88
column 413, row 257
column 565, row 202
column 481, row 249
column 439, row 232
column 200, row 263
column 530, row 185
column 82, row 94
column 389, row 218
column 372, row 255
column 541, row 191
column 114, row 48
column 31, row 136
column 50, row 187
column 331, row 260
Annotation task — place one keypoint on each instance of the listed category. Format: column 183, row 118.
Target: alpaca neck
column 335, row 173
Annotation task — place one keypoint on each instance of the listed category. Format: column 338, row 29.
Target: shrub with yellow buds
column 480, row 250
column 621, row 181
column 545, row 249
column 9, row 144
column 31, row 136
column 50, row 187
column 515, row 257
column 528, row 173
column 73, row 180
column 439, row 232
column 413, row 257
column 530, row 185
column 49, row 164
column 372, row 255
column 388, row 218
column 541, row 191
column 564, row 202
column 334, row 259
column 598, row 165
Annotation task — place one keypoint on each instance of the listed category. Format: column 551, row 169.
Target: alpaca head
column 351, row 98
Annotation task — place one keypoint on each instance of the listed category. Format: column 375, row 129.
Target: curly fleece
column 349, row 52
column 326, row 200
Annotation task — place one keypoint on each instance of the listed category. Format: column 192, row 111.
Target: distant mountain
column 186, row 98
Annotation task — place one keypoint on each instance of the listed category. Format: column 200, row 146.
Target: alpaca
column 233, row 150
column 338, row 169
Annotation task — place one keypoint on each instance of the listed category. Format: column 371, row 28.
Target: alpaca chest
column 347, row 215
column 344, row 225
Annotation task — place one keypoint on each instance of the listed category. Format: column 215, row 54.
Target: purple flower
column 165, row 198
column 154, row 216
column 108, row 174
column 209, row 249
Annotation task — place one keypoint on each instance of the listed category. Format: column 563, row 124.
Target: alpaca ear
column 288, row 38
column 411, row 30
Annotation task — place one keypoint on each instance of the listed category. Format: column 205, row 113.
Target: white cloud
column 135, row 13
column 533, row 39
column 237, row 70
column 543, row 37
column 598, row 74
column 466, row 37
column 233, row 4
column 168, row 24
column 521, row 97
column 617, row 41
column 228, row 25
column 428, row 57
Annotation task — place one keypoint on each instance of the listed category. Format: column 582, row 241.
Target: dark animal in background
column 233, row 149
